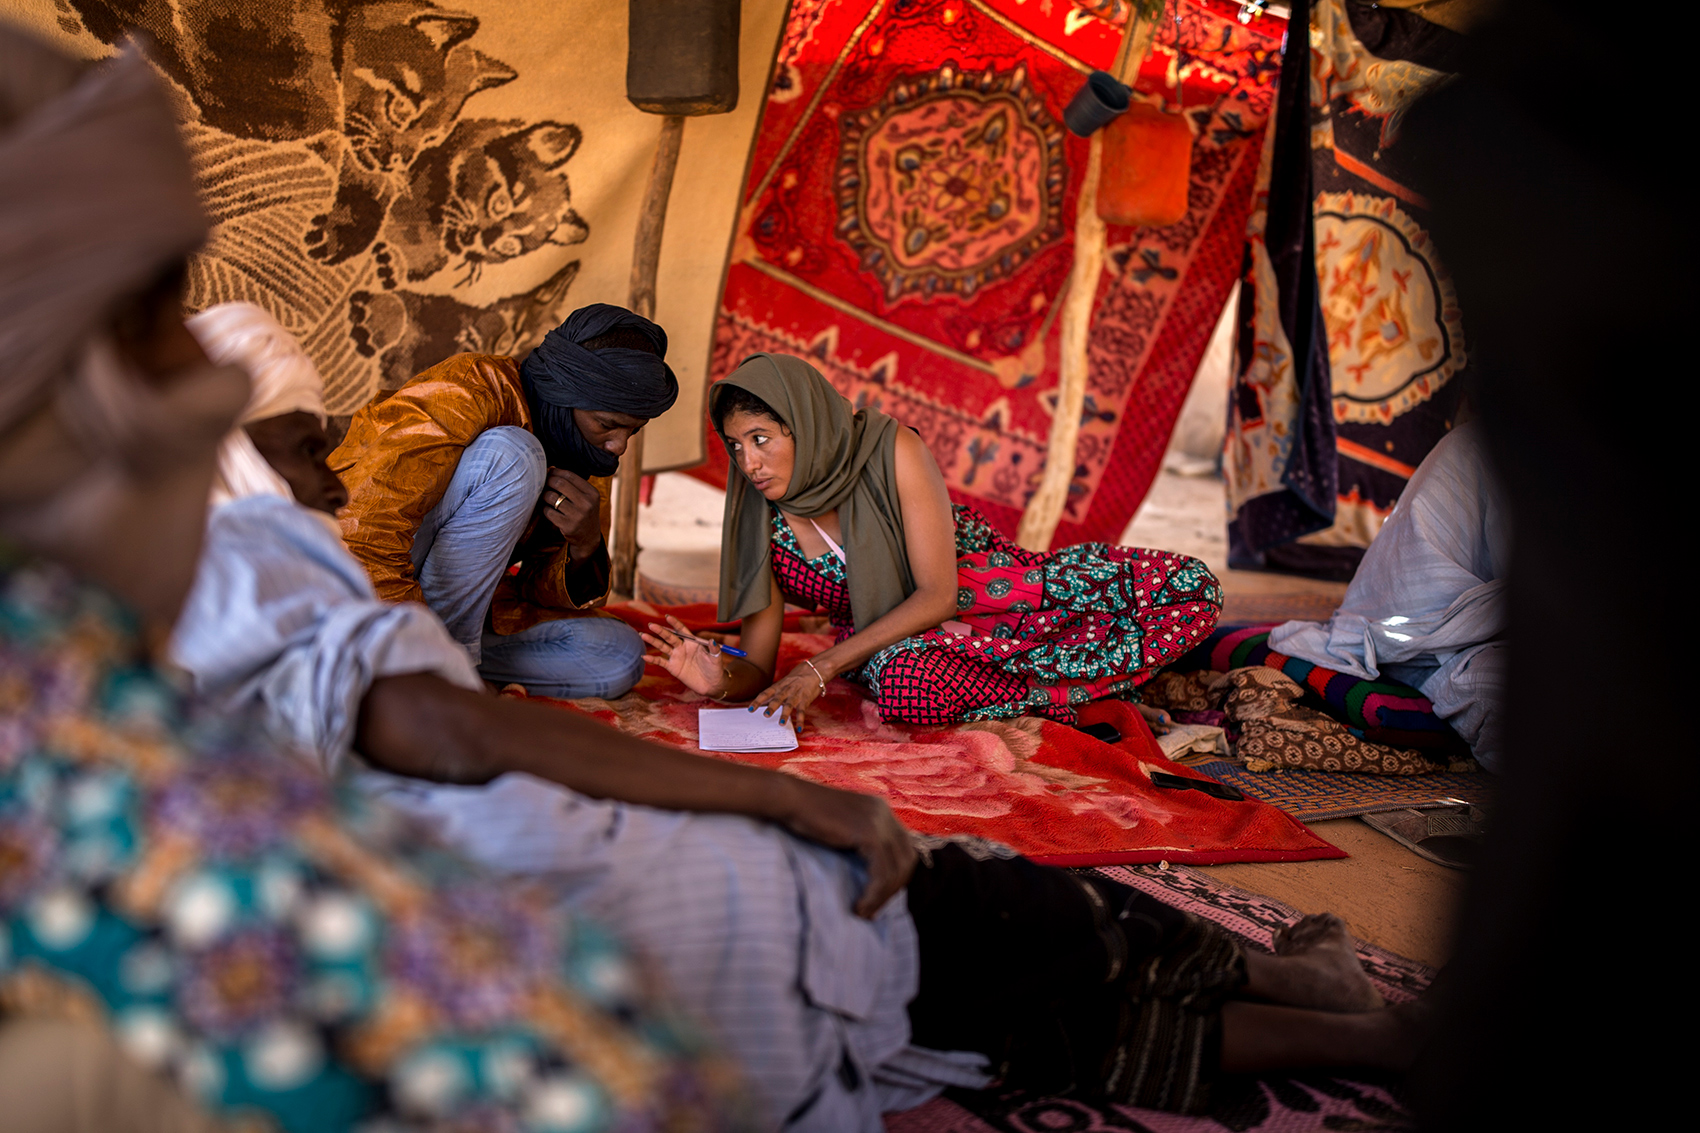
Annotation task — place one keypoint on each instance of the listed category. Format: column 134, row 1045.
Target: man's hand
column 419, row 724
column 575, row 508
column 845, row 820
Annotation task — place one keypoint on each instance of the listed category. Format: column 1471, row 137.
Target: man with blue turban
column 484, row 463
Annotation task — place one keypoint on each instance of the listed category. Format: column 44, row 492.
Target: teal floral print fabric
column 283, row 952
column 1035, row 634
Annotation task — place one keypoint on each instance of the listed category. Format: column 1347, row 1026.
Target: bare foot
column 1314, row 966
column 1393, row 1038
column 1411, row 1026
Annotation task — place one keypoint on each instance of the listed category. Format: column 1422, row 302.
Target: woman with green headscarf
column 938, row 614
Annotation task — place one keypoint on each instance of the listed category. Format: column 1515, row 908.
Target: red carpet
column 1051, row 792
column 908, row 226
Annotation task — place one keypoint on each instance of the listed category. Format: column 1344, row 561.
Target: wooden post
column 646, row 255
column 1044, row 510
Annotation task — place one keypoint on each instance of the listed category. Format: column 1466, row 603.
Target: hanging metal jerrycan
column 1147, row 162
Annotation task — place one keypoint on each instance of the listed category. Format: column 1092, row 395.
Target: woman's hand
column 573, row 505
column 697, row 666
column 792, row 694
column 845, row 820
column 1159, row 720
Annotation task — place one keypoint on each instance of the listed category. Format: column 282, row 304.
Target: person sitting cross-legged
column 483, row 462
column 849, row 971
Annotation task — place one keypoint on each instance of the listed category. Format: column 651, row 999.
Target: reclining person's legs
column 1075, row 983
column 1069, row 983
column 465, row 543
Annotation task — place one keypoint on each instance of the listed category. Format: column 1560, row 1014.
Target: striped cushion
column 1381, row 711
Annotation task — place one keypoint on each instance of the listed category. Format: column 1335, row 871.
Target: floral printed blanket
column 1050, row 791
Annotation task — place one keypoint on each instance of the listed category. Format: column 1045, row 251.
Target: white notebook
column 739, row 729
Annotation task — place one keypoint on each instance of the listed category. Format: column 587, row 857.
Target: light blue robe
column 1427, row 604
column 750, row 927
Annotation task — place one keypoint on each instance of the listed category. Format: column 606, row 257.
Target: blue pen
column 732, row 649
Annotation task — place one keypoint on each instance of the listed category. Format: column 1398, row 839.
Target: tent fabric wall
column 908, row 225
column 1370, row 316
column 397, row 182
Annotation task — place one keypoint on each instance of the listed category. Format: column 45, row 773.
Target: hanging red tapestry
column 908, row 226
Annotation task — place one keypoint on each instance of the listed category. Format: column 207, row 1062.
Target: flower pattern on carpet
column 1395, row 333
column 951, row 181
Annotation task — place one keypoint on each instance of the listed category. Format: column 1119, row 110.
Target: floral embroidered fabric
column 1047, row 632
column 273, row 945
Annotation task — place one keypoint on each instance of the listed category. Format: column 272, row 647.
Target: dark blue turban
column 561, row 376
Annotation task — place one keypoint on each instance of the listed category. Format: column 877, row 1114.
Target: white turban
column 285, row 381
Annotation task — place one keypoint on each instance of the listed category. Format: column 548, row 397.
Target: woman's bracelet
column 726, row 676
column 818, row 677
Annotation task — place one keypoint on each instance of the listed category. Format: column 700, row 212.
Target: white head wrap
column 285, row 381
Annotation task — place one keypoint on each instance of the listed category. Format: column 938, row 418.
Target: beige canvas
column 397, row 181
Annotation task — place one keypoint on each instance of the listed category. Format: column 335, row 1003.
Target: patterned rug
column 1052, row 792
column 1311, row 796
column 908, row 226
column 1274, row 1104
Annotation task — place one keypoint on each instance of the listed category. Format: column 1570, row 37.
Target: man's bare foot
column 1259, row 1037
column 1410, row 1026
column 1314, row 966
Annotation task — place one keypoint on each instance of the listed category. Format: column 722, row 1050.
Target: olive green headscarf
column 845, row 461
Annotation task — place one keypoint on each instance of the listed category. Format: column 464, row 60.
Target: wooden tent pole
column 646, row 255
column 1044, row 510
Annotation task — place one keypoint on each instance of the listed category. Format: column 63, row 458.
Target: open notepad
column 739, row 729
